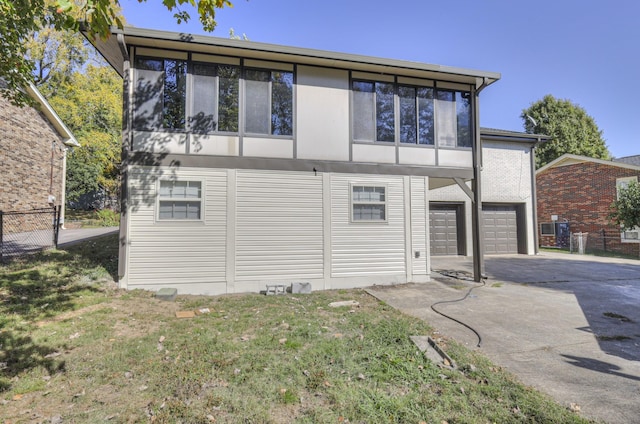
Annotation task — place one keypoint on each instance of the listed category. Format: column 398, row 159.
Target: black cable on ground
column 456, row 320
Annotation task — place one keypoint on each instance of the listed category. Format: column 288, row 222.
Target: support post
column 476, row 187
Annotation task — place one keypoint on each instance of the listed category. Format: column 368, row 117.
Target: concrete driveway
column 568, row 325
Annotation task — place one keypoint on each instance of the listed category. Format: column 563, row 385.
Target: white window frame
column 620, row 183
column 553, row 225
column 353, row 203
column 161, row 199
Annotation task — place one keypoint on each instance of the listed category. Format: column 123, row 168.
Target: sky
column 585, row 51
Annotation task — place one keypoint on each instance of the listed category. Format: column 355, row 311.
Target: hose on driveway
column 455, row 275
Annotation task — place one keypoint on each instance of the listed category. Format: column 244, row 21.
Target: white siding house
column 248, row 164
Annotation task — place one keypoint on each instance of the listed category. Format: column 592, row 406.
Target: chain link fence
column 602, row 242
column 23, row 232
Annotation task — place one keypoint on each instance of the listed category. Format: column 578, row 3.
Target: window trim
column 160, row 199
column 191, row 90
column 398, row 82
column 542, row 226
column 353, row 203
column 243, row 107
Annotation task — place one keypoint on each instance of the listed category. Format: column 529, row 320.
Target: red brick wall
column 26, row 139
column 582, row 194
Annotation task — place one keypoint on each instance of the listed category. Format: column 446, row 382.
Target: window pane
column 282, row 103
column 363, row 111
column 204, row 98
column 446, row 123
column 368, row 194
column 165, row 188
column 258, row 102
column 179, row 189
column 408, row 117
column 385, row 127
column 425, row 115
column 228, row 90
column 463, row 111
column 193, row 190
column 166, row 210
column 193, row 210
column 147, row 105
column 173, row 111
column 369, row 213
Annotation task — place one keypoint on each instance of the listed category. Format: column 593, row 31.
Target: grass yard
column 75, row 349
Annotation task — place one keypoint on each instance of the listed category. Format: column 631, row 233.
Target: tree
column 20, row 19
column 626, row 209
column 571, row 130
column 90, row 103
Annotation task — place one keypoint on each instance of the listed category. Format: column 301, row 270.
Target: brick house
column 33, row 145
column 574, row 195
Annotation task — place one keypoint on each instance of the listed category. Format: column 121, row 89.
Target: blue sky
column 585, row 51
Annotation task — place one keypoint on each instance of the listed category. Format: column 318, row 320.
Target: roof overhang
column 68, row 139
column 111, row 50
column 570, row 159
column 491, row 134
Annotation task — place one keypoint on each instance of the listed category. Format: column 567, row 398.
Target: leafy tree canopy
column 626, row 209
column 21, row 19
column 571, row 130
column 90, row 103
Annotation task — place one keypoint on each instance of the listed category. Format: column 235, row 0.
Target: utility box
column 301, row 288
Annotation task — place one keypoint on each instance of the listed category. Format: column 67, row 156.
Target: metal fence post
column 56, row 224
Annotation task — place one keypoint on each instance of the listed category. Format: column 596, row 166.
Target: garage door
column 500, row 229
column 443, row 227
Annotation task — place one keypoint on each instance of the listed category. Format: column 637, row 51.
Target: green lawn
column 75, row 348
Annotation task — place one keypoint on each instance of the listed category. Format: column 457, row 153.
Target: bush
column 108, row 218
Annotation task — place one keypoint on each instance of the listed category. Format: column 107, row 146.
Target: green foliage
column 108, row 218
column 90, row 103
column 626, row 209
column 571, row 130
column 20, row 20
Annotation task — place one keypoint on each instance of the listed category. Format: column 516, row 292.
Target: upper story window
column 416, row 115
column 204, row 97
column 214, row 103
column 160, row 94
column 426, row 115
column 268, row 102
column 373, row 111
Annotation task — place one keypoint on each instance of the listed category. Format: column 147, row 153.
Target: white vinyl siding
column 278, row 226
column 366, row 248
column 419, row 225
column 171, row 253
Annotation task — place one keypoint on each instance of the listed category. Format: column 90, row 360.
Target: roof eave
column 111, row 52
column 68, row 139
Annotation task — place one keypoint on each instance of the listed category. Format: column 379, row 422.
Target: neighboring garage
column 503, row 229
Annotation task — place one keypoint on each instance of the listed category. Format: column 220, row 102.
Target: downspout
column 124, row 195
column 534, row 200
column 476, row 186
column 63, row 197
